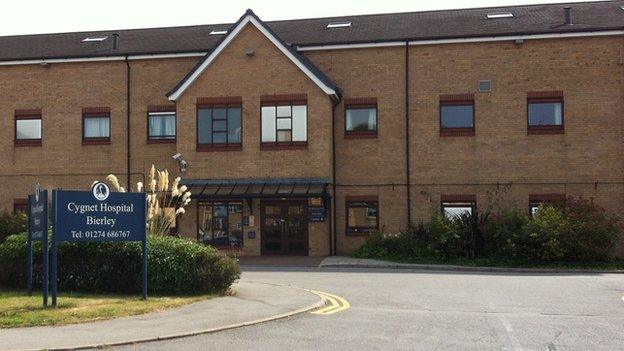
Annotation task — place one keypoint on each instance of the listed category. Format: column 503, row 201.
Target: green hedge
column 11, row 223
column 572, row 231
column 175, row 266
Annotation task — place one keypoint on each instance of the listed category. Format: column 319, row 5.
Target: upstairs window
column 455, row 206
column 361, row 117
column 362, row 214
column 284, row 121
column 96, row 125
column 545, row 112
column 219, row 123
column 457, row 115
column 28, row 127
column 161, row 124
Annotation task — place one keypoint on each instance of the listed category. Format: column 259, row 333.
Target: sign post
column 38, row 231
column 98, row 216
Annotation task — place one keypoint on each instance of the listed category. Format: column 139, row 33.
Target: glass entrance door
column 284, row 228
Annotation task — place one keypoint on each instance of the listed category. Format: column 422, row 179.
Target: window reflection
column 220, row 224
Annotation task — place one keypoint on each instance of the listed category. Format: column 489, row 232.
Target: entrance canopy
column 257, row 188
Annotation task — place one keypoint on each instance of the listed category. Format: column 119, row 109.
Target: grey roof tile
column 529, row 19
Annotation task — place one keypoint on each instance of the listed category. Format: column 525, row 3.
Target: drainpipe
column 334, row 212
column 407, row 138
column 128, row 122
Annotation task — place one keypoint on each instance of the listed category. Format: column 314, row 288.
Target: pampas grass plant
column 165, row 204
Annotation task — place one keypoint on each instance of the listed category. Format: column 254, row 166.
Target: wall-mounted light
column 249, row 52
column 181, row 162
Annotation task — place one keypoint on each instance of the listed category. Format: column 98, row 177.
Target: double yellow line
column 336, row 303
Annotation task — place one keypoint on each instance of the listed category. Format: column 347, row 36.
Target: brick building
column 302, row 136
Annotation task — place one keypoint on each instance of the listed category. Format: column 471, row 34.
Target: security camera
column 181, row 162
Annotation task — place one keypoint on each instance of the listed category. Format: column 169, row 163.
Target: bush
column 12, row 223
column 380, row 245
column 573, row 231
column 541, row 238
column 590, row 233
column 504, row 233
column 374, row 247
column 445, row 238
column 175, row 266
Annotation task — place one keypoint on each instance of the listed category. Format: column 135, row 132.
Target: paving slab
column 253, row 303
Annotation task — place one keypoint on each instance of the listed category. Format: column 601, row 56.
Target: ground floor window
column 220, row 223
column 536, row 200
column 362, row 215
column 454, row 206
column 20, row 205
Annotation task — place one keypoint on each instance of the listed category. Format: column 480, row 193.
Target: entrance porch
column 253, row 217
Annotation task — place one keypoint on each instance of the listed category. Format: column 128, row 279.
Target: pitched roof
column 462, row 23
column 249, row 17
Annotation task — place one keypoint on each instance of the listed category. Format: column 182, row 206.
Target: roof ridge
column 111, row 31
column 449, row 10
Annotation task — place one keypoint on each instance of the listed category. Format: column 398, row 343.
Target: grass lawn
column 17, row 309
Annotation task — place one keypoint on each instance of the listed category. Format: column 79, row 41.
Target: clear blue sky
column 50, row 16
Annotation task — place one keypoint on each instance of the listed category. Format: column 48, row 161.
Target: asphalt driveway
column 425, row 310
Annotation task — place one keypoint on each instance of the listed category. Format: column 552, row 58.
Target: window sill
column 218, row 147
column 161, row 141
column 295, row 145
column 545, row 130
column 96, row 141
column 457, row 132
column 28, row 143
column 360, row 135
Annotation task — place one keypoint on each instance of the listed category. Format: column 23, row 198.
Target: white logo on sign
column 37, row 191
column 100, row 191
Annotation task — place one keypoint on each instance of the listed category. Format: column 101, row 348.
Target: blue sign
column 316, row 214
column 38, row 215
column 251, row 234
column 95, row 216
column 38, row 230
column 99, row 215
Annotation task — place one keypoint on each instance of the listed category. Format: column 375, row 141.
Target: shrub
column 373, row 247
column 445, row 238
column 541, row 238
column 590, row 233
column 403, row 244
column 471, row 228
column 574, row 231
column 503, row 234
column 12, row 223
column 175, row 266
column 380, row 245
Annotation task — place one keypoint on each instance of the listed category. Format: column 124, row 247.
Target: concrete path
column 350, row 262
column 253, row 303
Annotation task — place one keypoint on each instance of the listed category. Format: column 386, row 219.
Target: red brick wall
column 586, row 160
